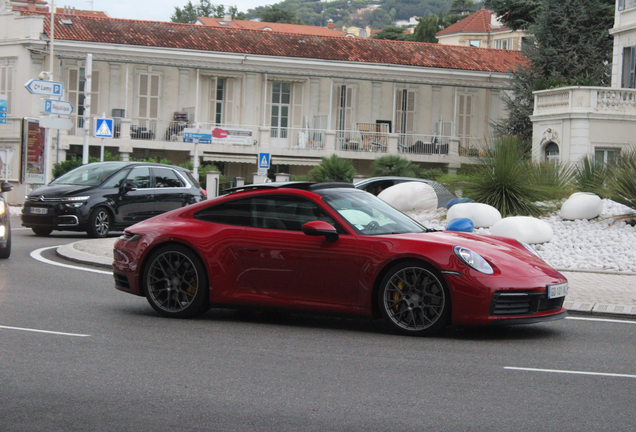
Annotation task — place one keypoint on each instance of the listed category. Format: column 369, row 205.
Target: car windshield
column 367, row 214
column 92, row 174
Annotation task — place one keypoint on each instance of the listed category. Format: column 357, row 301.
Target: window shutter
column 297, row 105
column 268, row 105
column 229, row 101
column 154, row 96
column 212, row 100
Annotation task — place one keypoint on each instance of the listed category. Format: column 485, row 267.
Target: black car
column 376, row 185
column 5, row 224
column 109, row 196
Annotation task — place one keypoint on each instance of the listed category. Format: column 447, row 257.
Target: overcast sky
column 153, row 10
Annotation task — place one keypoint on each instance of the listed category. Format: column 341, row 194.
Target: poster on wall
column 33, row 139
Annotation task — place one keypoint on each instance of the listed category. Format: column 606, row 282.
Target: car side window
column 235, row 212
column 167, row 178
column 116, row 180
column 139, row 177
column 285, row 212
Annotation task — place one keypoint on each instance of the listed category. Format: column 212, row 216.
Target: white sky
column 153, row 10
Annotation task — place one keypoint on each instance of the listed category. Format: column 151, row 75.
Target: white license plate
column 38, row 210
column 558, row 290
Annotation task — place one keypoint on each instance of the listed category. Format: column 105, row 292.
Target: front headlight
column 2, row 207
column 76, row 199
column 473, row 260
column 530, row 248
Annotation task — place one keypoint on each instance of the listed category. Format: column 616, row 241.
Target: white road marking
column 602, row 320
column 43, row 331
column 570, row 372
column 18, row 229
column 37, row 255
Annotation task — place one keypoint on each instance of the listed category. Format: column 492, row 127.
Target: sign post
column 103, row 129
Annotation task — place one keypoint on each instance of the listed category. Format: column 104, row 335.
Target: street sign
column 47, row 88
column 61, row 123
column 263, row 160
column 3, row 112
column 103, row 128
column 50, row 106
column 204, row 136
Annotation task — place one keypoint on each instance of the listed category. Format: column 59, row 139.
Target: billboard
column 33, row 144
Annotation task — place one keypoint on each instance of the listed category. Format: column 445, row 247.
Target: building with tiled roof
column 228, row 22
column 482, row 29
column 299, row 97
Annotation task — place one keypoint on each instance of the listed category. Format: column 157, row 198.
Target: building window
column 76, row 83
column 346, row 95
column 629, row 66
column 148, row 98
column 606, row 155
column 221, row 98
column 281, row 99
column 503, row 44
column 464, row 117
column 6, row 84
column 473, row 43
column 552, row 153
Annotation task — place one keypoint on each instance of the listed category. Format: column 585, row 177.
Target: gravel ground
column 604, row 243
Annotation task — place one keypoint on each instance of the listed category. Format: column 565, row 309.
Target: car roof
column 302, row 185
column 136, row 163
column 384, row 178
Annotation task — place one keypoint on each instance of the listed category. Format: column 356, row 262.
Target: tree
column 462, row 7
column 276, row 14
column 516, row 14
column 426, row 29
column 190, row 12
column 333, row 169
column 571, row 46
column 393, row 33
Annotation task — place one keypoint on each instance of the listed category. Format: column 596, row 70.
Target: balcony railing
column 585, row 99
column 358, row 141
column 423, row 144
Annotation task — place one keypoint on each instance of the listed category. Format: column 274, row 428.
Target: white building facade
column 599, row 122
column 297, row 97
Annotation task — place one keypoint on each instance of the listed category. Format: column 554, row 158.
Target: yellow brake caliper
column 396, row 295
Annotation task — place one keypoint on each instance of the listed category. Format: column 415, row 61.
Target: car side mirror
column 321, row 228
column 7, row 187
column 128, row 187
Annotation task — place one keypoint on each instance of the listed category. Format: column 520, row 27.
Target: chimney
column 31, row 5
column 330, row 24
column 227, row 18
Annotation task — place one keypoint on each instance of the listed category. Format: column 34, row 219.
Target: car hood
column 505, row 254
column 59, row 191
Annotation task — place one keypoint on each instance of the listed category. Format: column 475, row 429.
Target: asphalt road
column 114, row 365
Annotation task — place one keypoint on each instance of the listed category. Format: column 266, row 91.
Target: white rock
column 582, row 205
column 410, row 196
column 524, row 228
column 482, row 215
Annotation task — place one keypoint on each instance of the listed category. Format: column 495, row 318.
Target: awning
column 251, row 159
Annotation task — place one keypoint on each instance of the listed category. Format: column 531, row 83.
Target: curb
column 69, row 252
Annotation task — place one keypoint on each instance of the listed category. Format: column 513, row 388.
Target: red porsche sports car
column 332, row 248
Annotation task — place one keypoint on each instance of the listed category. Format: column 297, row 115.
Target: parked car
column 376, row 185
column 332, row 248
column 5, row 222
column 107, row 196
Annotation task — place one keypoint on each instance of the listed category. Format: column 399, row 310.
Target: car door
column 282, row 262
column 137, row 204
column 170, row 189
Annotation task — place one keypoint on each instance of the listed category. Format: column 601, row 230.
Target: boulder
column 582, row 205
column 461, row 225
column 524, row 228
column 454, row 201
column 410, row 196
column 482, row 215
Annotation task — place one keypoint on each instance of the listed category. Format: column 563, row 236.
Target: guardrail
column 423, row 144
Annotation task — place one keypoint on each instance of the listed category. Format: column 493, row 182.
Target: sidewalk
column 589, row 293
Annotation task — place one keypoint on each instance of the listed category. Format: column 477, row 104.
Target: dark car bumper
column 56, row 217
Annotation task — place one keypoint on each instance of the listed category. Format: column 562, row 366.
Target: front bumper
column 57, row 216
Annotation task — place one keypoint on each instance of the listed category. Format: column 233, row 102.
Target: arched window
column 552, row 152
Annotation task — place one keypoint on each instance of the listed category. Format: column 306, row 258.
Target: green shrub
column 591, row 176
column 333, row 169
column 554, row 180
column 394, row 165
column 622, row 182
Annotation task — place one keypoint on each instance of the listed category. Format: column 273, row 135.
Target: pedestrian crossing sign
column 263, row 160
column 103, row 128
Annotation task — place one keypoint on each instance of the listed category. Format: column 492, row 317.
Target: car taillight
column 205, row 194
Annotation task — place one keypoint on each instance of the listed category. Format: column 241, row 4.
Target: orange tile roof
column 478, row 22
column 205, row 38
column 77, row 12
column 267, row 26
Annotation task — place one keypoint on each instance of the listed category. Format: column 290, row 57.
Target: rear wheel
column 175, row 282
column 99, row 223
column 5, row 252
column 414, row 300
column 42, row 231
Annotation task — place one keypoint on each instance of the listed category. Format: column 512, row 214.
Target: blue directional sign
column 263, row 160
column 48, row 88
column 202, row 137
column 3, row 112
column 50, row 106
column 103, row 128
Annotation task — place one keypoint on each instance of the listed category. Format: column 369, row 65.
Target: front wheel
column 99, row 223
column 175, row 282
column 414, row 300
column 42, row 231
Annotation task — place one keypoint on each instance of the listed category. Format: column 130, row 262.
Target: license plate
column 38, row 210
column 558, row 290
